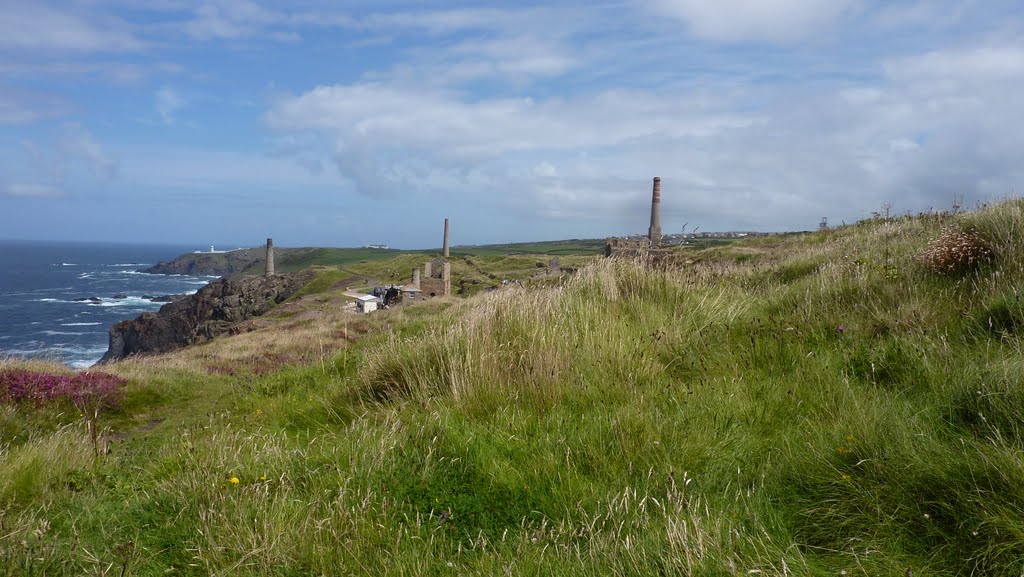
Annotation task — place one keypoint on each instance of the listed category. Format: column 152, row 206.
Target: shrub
column 956, row 252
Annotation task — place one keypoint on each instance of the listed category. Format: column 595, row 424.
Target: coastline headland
column 210, row 312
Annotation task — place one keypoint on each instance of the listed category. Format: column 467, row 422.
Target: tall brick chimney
column 445, row 238
column 270, row 257
column 654, row 233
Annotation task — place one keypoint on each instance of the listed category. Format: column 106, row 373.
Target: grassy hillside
column 293, row 259
column 473, row 267
column 842, row 402
column 559, row 247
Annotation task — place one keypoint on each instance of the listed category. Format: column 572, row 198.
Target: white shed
column 367, row 303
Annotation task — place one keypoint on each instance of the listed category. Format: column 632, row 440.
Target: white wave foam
column 128, row 264
column 192, row 276
column 66, row 264
column 130, row 301
column 79, row 324
column 66, row 333
column 80, row 350
column 58, row 349
column 26, row 293
column 103, row 302
column 76, row 363
column 19, row 352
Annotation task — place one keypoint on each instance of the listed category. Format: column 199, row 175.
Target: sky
column 325, row 123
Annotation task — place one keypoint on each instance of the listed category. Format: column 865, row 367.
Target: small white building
column 367, row 304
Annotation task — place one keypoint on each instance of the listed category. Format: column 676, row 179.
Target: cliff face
column 212, row 311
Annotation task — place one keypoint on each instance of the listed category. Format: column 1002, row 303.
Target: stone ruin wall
column 436, row 279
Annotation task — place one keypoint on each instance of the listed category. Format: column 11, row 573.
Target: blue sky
column 346, row 123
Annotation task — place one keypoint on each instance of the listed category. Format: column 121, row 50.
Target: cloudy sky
column 346, row 123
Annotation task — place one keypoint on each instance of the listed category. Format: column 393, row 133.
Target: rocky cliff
column 212, row 311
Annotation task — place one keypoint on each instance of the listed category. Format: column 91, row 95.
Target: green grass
column 710, row 420
column 293, row 259
column 325, row 279
column 560, row 248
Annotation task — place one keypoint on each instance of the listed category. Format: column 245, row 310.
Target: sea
column 58, row 300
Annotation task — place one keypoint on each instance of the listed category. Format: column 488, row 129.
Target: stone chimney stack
column 270, row 257
column 654, row 233
column 446, row 238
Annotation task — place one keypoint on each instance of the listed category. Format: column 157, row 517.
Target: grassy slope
column 710, row 420
column 474, row 268
column 292, row 259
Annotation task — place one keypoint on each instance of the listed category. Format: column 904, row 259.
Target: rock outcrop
column 165, row 298
column 240, row 261
column 210, row 312
column 208, row 264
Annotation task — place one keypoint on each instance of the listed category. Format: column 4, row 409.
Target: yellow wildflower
column 234, row 480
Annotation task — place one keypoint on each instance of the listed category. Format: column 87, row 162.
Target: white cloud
column 217, row 172
column 753, row 20
column 230, row 19
column 513, row 58
column 23, row 107
column 738, row 154
column 168, row 102
column 387, row 140
column 455, row 47
column 439, row 22
column 54, row 168
column 36, row 26
column 452, row 125
column 903, row 145
column 246, row 19
column 77, row 144
column 961, row 65
column 32, row 190
column 120, row 73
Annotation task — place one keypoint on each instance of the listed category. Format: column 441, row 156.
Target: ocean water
column 39, row 282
